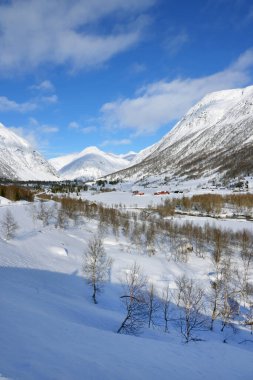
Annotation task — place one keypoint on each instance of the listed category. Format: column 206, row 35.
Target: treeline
column 16, row 193
column 151, row 232
column 68, row 188
column 209, row 204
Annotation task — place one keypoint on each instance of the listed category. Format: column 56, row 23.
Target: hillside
column 213, row 138
column 18, row 160
column 51, row 329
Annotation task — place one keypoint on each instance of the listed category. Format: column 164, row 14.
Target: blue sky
column 116, row 74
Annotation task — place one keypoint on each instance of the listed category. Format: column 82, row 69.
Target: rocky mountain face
column 18, row 160
column 215, row 137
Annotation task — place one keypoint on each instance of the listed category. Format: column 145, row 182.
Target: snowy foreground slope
column 50, row 329
column 91, row 163
column 18, row 160
column 215, row 136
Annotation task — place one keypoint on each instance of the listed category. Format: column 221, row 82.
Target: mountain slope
column 91, row 163
column 215, row 136
column 51, row 329
column 18, row 160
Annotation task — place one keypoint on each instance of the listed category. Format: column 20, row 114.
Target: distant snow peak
column 18, row 160
column 89, row 164
column 91, row 149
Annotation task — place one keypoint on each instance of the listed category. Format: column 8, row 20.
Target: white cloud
column 85, row 130
column 52, row 99
column 7, row 105
column 162, row 102
column 30, row 136
column 36, row 134
column 91, row 129
column 249, row 16
column 174, row 43
column 45, row 95
column 73, row 125
column 46, row 86
column 40, row 127
column 33, row 122
column 115, row 142
column 48, row 128
column 138, row 68
column 66, row 32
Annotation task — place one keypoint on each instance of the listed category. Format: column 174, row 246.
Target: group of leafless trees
column 188, row 306
column 229, row 285
column 16, row 193
column 209, row 204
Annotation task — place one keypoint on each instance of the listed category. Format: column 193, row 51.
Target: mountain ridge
column 207, row 140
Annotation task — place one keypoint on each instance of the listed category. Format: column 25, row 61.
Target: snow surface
column 20, row 161
column 50, row 329
column 4, row 201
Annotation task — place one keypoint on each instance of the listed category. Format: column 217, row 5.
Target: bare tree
column 191, row 308
column 150, row 235
column 220, row 243
column 32, row 211
column 165, row 307
column 152, row 304
column 249, row 318
column 215, row 298
column 134, row 286
column 230, row 306
column 96, row 266
column 61, row 219
column 45, row 213
column 246, row 254
column 9, row 225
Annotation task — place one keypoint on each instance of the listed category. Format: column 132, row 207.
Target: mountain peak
column 91, row 149
column 89, row 164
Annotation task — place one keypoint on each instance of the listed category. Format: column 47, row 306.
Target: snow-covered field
column 50, row 329
column 225, row 224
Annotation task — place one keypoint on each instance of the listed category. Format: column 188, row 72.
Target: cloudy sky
column 116, row 74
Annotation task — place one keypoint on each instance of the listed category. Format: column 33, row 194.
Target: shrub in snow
column 9, row 225
column 96, row 266
column 190, row 299
column 134, row 300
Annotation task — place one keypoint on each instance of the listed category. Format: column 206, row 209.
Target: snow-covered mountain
column 130, row 156
column 214, row 137
column 18, row 160
column 89, row 164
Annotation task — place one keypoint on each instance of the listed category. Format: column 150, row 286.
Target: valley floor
column 50, row 329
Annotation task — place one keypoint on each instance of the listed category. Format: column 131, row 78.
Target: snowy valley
column 132, row 266
column 51, row 328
